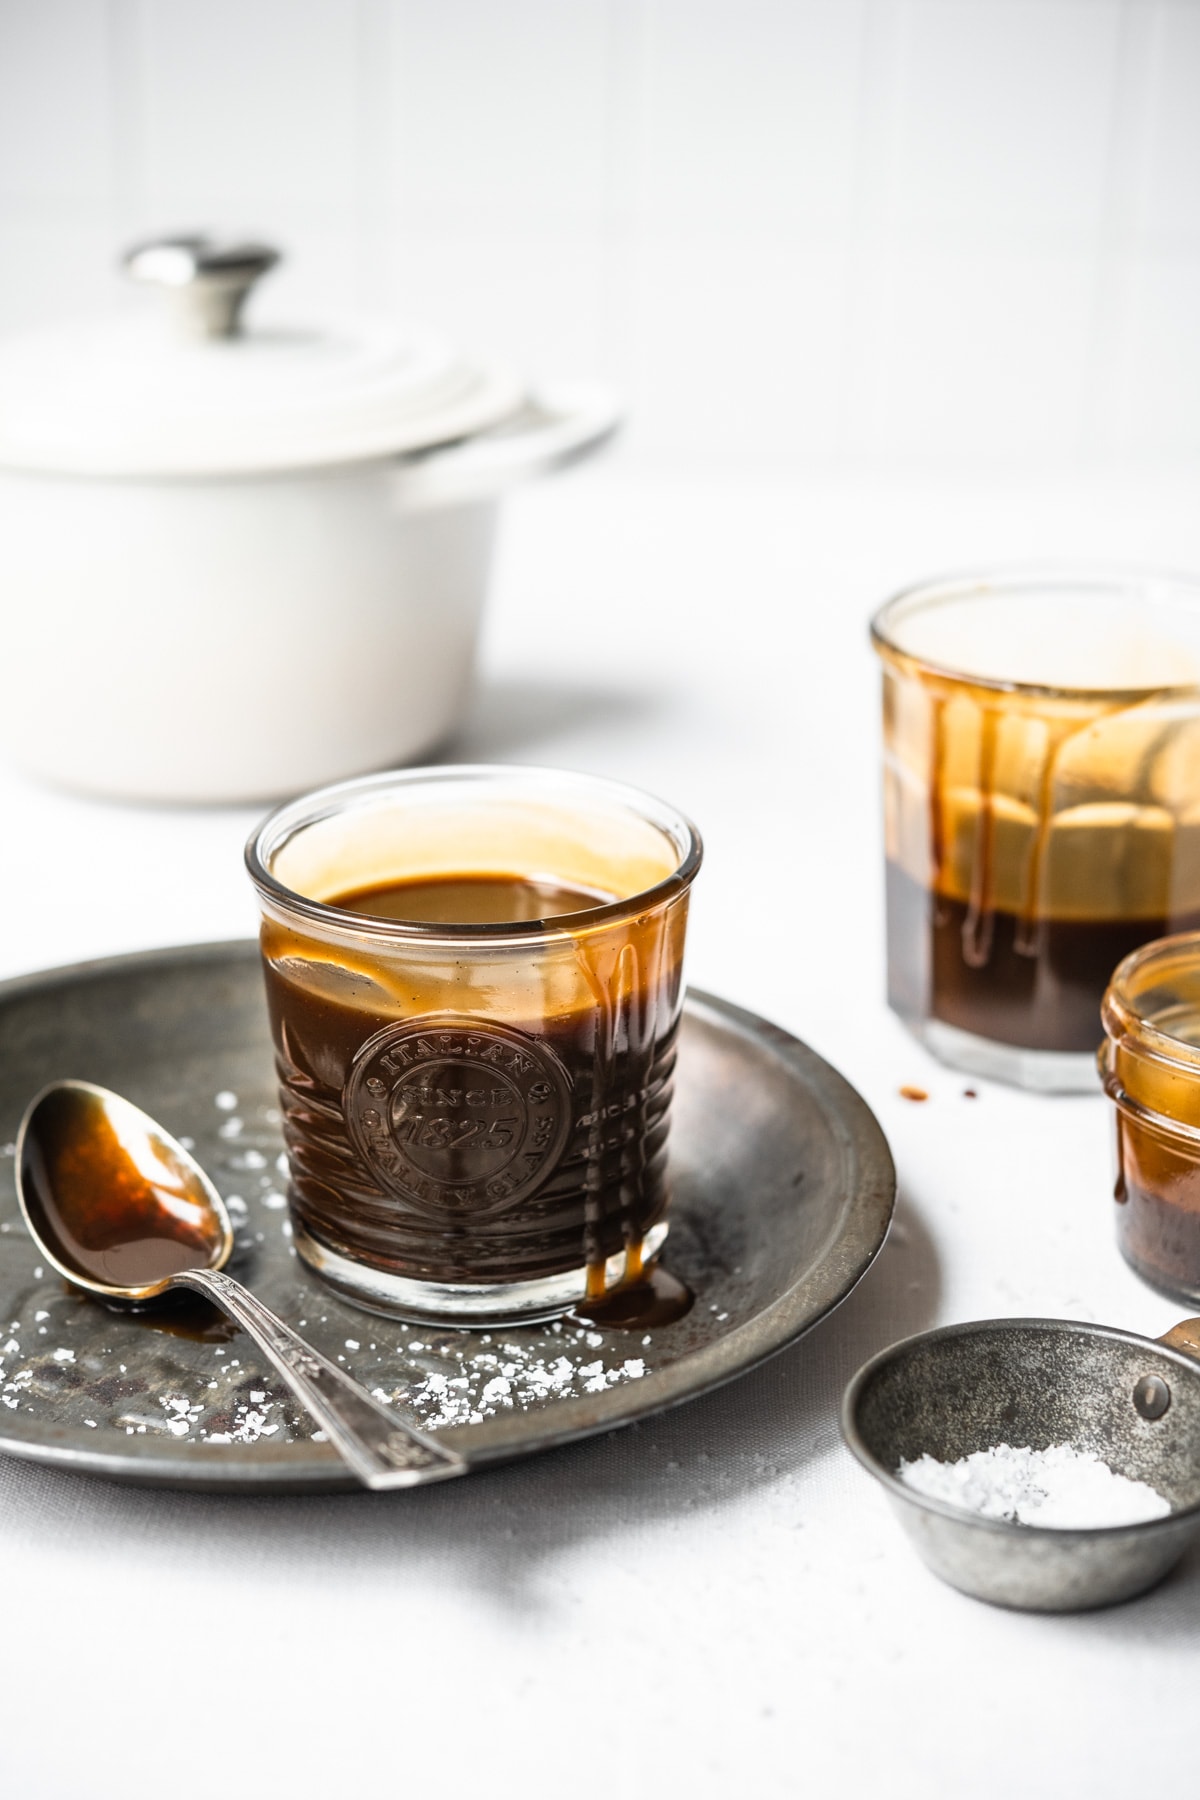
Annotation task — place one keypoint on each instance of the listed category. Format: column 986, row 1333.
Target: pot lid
column 189, row 392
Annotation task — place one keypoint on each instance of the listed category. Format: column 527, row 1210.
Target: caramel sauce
column 119, row 1212
column 1158, row 1192
column 1157, row 1187
column 1043, row 996
column 187, row 1316
column 642, row 1302
column 1033, row 841
column 404, row 1158
column 469, row 900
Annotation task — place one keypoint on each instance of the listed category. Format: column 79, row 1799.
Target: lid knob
column 206, row 279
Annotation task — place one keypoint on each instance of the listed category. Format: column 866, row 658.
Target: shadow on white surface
column 1165, row 1616
column 766, row 1435
column 768, row 1442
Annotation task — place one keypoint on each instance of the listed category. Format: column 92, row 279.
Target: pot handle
column 1185, row 1336
column 554, row 428
column 205, row 279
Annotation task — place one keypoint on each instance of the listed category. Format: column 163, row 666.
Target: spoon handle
column 383, row 1447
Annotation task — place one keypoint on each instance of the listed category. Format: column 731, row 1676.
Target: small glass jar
column 475, row 1113
column 1150, row 1065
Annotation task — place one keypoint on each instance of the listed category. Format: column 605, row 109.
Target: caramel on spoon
column 121, row 1209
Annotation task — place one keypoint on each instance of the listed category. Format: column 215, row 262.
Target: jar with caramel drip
column 475, row 981
column 1150, row 1065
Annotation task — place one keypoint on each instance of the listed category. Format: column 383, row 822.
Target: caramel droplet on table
column 654, row 1299
column 913, row 1093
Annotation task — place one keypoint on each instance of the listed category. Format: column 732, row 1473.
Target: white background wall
column 841, row 229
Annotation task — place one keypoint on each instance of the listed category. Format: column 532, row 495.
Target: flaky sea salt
column 1062, row 1487
column 476, row 1384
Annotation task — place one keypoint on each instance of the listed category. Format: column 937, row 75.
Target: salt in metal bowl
column 1132, row 1401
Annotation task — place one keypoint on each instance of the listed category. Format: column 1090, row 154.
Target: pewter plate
column 782, row 1194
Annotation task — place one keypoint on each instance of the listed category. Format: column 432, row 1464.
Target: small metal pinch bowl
column 1133, row 1402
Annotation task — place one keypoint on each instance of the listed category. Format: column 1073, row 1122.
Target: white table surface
column 717, row 1601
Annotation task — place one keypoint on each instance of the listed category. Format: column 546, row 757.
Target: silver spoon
column 116, row 1205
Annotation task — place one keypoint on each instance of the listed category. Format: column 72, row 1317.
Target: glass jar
column 1041, row 774
column 1150, row 1066
column 475, row 1112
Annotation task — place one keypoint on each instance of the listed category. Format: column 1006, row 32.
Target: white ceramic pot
column 237, row 566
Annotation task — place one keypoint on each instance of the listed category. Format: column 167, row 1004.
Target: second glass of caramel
column 475, row 980
column 1042, row 805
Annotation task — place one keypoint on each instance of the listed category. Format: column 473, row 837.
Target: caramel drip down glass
column 475, row 1114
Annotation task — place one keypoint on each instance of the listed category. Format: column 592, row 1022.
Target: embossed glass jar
column 475, row 1114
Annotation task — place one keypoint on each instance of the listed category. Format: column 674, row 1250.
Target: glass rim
column 293, row 816
column 1126, row 1021
column 964, row 584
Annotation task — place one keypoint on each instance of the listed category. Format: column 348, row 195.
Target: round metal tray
column 782, row 1193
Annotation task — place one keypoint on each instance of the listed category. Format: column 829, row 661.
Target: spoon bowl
column 119, row 1207
column 116, row 1204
